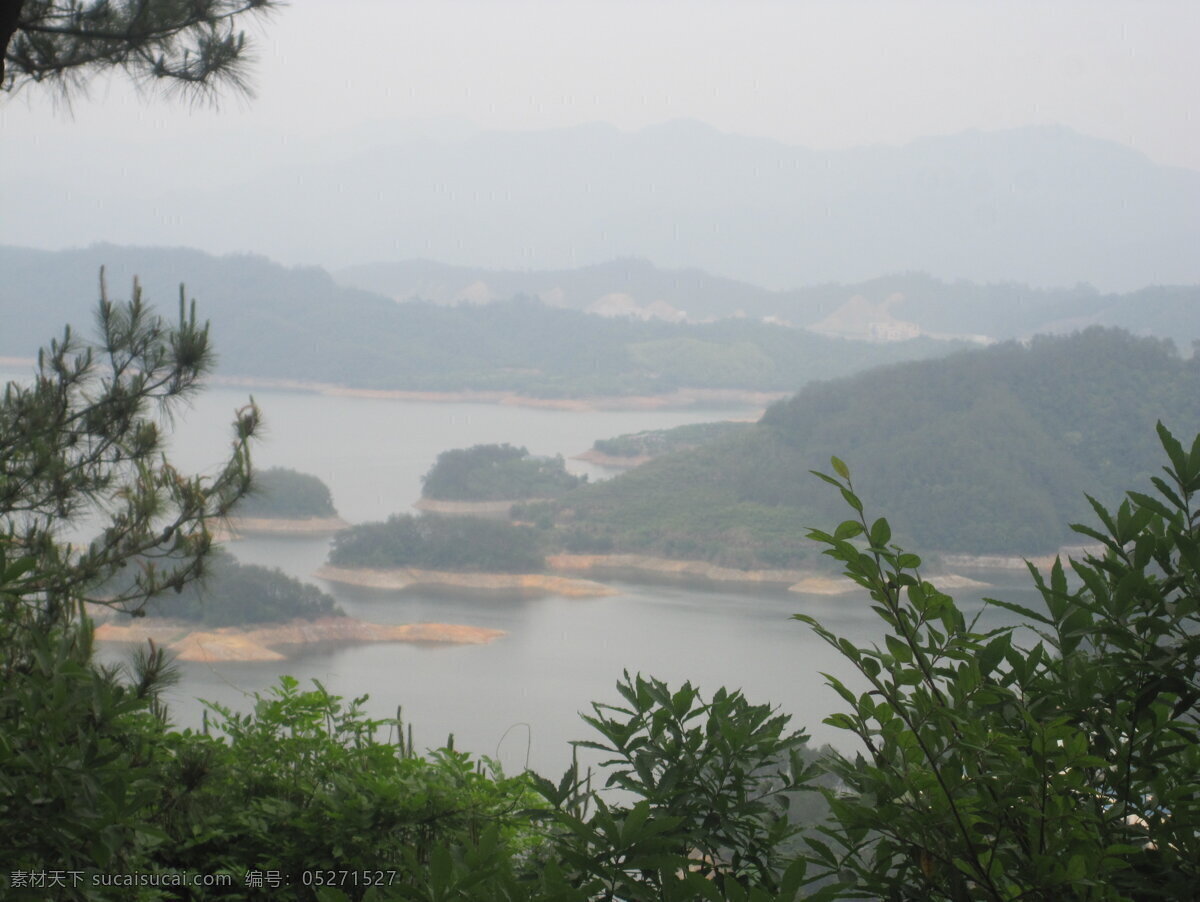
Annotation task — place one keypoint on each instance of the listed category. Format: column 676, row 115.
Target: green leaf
column 881, row 533
column 899, row 649
column 839, row 467
column 847, row 529
column 993, row 653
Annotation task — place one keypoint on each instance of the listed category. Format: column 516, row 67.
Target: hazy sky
column 822, row 74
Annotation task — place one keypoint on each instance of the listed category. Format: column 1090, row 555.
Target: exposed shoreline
column 282, row 526
column 272, row 642
column 472, row 508
column 681, row 398
column 612, row 461
column 809, row 582
column 407, row 577
column 1015, row 561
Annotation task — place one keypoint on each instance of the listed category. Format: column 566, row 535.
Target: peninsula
column 189, row 641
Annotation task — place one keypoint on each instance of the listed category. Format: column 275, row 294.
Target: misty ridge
column 1042, row 205
column 615, row 329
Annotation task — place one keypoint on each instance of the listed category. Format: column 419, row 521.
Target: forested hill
column 270, row 321
column 984, row 451
column 933, row 306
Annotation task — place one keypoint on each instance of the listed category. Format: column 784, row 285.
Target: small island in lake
column 244, row 612
column 465, row 552
column 285, row 502
column 490, row 479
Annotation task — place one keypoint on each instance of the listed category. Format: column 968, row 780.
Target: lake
column 517, row 699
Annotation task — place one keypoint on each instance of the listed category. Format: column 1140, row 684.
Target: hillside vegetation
column 984, row 451
column 286, row 493
column 439, row 543
column 237, row 594
column 496, row 473
column 656, row 442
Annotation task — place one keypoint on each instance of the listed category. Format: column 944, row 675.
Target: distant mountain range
column 895, row 306
column 1044, row 205
column 275, row 322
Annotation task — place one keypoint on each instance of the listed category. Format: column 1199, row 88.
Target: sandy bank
column 281, row 526
column 612, row 461
column 472, row 508
column 263, row 643
column 689, row 397
column 671, row 567
column 799, row 581
column 405, row 577
column 1016, row 561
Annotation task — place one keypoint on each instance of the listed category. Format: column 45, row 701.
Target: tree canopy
column 439, row 543
column 496, row 473
column 189, row 44
column 236, row 594
column 983, row 452
column 286, row 493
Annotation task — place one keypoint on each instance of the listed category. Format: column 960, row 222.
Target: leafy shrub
column 1061, row 770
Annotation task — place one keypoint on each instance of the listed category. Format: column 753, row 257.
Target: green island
column 496, row 473
column 468, row 544
column 280, row 492
column 237, row 594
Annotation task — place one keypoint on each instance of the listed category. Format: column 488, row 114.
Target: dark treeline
column 656, row 442
column 286, row 493
column 439, row 543
column 237, row 594
column 496, row 473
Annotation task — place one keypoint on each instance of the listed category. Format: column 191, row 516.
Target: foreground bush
column 1055, row 760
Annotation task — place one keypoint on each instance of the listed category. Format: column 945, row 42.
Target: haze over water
column 518, row 698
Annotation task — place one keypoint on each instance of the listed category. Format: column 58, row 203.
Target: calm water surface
column 517, row 699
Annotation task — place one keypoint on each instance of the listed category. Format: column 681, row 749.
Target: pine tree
column 195, row 45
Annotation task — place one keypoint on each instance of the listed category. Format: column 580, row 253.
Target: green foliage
column 1064, row 769
column 319, row 789
column 439, row 543
column 81, row 453
column 236, row 594
column 693, row 361
column 496, row 473
column 81, row 445
column 685, row 505
column 713, row 779
column 193, row 45
column 286, row 493
column 989, row 451
column 656, row 442
column 76, row 789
